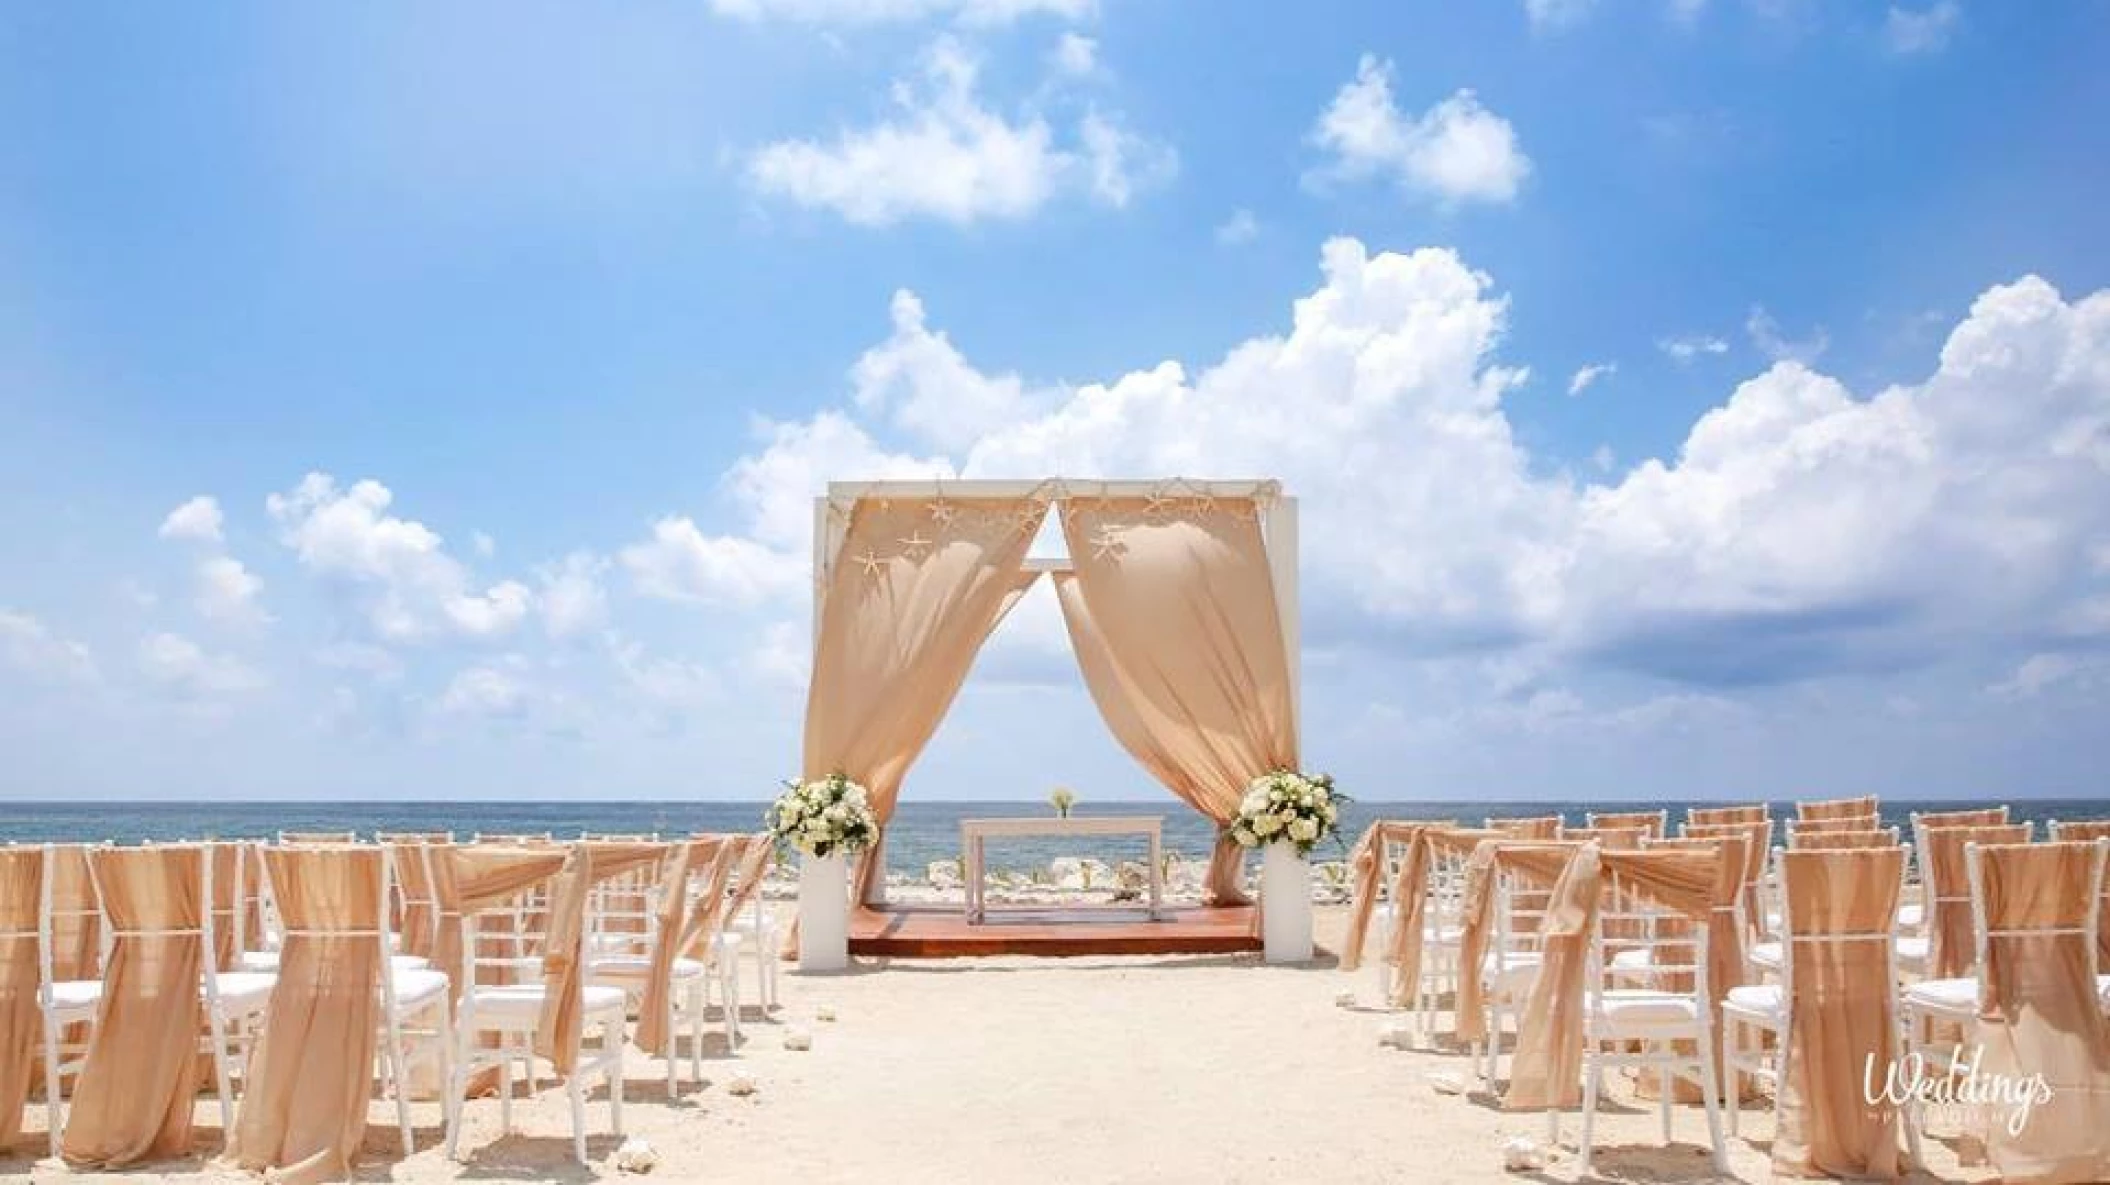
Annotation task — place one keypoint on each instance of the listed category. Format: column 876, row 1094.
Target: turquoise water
column 921, row 831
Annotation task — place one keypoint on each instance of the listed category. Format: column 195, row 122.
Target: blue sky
column 1706, row 397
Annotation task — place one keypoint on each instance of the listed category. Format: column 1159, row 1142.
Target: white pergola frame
column 1278, row 528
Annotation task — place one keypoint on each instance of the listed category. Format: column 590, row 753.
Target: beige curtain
column 1951, row 935
column 21, row 1018
column 1836, row 808
column 1842, row 1019
column 2039, row 1013
column 1171, row 610
column 303, row 1108
column 915, row 589
column 133, row 1100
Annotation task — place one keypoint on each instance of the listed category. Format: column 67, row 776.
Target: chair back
column 1886, row 837
column 1653, row 823
column 1708, row 816
column 317, row 837
column 1837, row 808
column 1951, row 948
column 76, row 937
column 2079, row 830
column 1868, row 822
column 1974, row 817
column 1527, row 827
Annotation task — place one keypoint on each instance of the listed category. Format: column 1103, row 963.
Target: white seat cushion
column 415, row 986
column 1380, row 923
column 1912, row 950
column 1513, row 974
column 1630, row 962
column 1766, row 954
column 1756, row 997
column 1959, row 996
column 517, row 1000
column 243, row 991
column 1910, row 915
column 639, row 967
column 2102, row 986
column 1641, row 1004
column 76, row 995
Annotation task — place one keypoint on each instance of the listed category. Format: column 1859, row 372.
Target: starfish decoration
column 1024, row 519
column 1205, row 504
column 915, row 546
column 1156, row 506
column 1245, row 510
column 873, row 565
column 943, row 513
column 1106, row 543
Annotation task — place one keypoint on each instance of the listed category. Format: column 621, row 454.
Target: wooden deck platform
column 942, row 932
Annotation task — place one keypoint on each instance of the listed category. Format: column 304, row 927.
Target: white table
column 974, row 834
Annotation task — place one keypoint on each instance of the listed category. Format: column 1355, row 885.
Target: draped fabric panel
column 1536, row 862
column 2091, row 829
column 22, row 871
column 1727, row 965
column 592, row 863
column 1653, row 822
column 670, row 925
column 1980, row 817
column 417, row 925
column 1886, row 837
column 303, row 1107
column 1951, row 941
column 1533, row 827
column 468, row 879
column 132, row 1102
column 1366, row 863
column 917, row 586
column 2039, row 1013
column 76, row 927
column 1705, row 816
column 1837, row 808
column 1842, row 1018
column 1173, row 616
column 1867, row 822
column 1757, row 839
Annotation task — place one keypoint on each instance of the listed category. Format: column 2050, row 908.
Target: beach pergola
column 1179, row 596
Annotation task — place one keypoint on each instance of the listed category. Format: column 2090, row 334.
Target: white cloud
column 1799, row 529
column 1239, row 229
column 572, row 599
column 376, row 662
column 483, row 545
column 947, row 154
column 924, row 385
column 198, row 520
column 667, row 685
column 1921, row 31
column 1457, row 151
column 178, row 665
column 1076, row 55
column 1691, row 346
column 227, row 592
column 1554, row 15
column 410, row 588
column 1765, row 334
column 880, row 12
column 1590, row 374
column 680, row 563
column 28, row 647
column 2042, row 672
column 485, row 691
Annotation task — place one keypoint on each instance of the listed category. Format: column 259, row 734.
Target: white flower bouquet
column 1284, row 806
column 823, row 817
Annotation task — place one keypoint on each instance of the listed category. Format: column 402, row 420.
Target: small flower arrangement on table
column 1285, row 806
column 823, row 817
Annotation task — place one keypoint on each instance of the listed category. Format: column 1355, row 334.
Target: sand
column 1109, row 1069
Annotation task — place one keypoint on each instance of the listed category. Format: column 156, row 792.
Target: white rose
column 1244, row 838
column 1266, row 825
column 1304, row 831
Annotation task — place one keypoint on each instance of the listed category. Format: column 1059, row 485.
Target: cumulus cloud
column 1909, row 31
column 227, row 592
column 1800, row 529
column 1588, row 375
column 2042, row 672
column 1554, row 15
column 572, row 600
column 947, row 153
column 1692, row 345
column 1455, row 152
column 198, row 520
column 680, row 563
column 28, row 647
column 1076, row 54
column 920, row 381
column 181, row 667
column 407, row 584
column 881, row 12
column 485, row 691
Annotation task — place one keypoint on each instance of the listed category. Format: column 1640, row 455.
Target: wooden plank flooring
column 931, row 932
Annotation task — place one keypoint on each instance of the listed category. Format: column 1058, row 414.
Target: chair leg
column 443, row 1047
column 1591, row 1072
column 673, row 1033
column 1709, row 1083
column 1733, row 1073
column 612, row 1039
column 577, row 1095
column 220, row 1074
column 505, row 1093
column 1663, row 1091
column 51, row 1081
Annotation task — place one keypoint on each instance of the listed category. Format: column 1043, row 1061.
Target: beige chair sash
column 1837, row 808
column 1951, row 946
column 21, row 1017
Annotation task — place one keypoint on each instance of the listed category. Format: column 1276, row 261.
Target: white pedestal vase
column 824, row 913
column 1285, row 904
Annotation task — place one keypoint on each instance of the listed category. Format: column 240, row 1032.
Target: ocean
column 921, row 832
